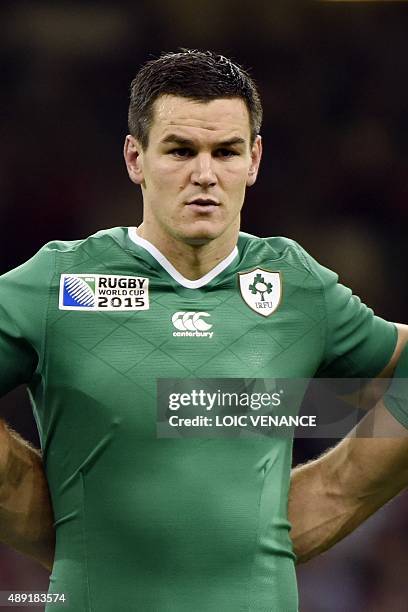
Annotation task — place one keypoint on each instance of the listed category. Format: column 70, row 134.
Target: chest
column 186, row 334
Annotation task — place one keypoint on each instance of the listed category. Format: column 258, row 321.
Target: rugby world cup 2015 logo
column 103, row 292
column 261, row 290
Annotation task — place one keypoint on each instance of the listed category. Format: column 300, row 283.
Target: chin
column 197, row 241
column 200, row 236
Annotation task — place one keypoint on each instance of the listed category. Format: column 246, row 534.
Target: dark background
column 333, row 77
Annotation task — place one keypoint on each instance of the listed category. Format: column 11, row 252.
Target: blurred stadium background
column 333, row 77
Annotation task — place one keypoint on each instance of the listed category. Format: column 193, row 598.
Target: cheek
column 237, row 173
column 235, row 182
column 168, row 177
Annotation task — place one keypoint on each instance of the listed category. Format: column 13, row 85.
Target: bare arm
column 331, row 496
column 26, row 518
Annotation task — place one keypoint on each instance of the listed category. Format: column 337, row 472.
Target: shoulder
column 277, row 244
column 281, row 249
column 100, row 240
column 44, row 264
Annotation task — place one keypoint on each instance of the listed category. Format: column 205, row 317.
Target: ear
column 132, row 152
column 256, row 154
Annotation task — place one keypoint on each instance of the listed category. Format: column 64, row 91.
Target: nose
column 203, row 173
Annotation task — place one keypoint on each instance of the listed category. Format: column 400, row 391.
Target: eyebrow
column 186, row 142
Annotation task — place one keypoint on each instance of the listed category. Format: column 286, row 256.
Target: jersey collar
column 170, row 269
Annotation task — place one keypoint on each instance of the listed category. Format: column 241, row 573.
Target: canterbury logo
column 192, row 324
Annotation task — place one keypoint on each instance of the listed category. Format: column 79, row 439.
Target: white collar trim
column 170, row 269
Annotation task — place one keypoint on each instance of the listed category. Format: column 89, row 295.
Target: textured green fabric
column 147, row 524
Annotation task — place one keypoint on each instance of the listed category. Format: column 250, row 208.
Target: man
column 158, row 524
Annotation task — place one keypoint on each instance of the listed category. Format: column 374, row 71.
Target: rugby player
column 178, row 524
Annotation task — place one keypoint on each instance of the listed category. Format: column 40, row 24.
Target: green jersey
column 171, row 525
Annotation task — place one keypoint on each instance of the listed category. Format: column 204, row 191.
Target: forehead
column 219, row 119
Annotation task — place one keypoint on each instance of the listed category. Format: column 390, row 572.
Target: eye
column 182, row 152
column 225, row 153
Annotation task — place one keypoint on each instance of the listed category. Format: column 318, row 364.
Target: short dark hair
column 197, row 75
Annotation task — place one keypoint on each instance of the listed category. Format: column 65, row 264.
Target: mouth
column 203, row 203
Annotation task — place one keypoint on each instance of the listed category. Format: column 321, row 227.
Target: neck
column 192, row 261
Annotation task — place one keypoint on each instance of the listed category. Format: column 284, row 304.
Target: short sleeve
column 357, row 343
column 23, row 299
column 396, row 398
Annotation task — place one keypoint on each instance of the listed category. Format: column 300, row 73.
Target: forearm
column 331, row 496
column 26, row 519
